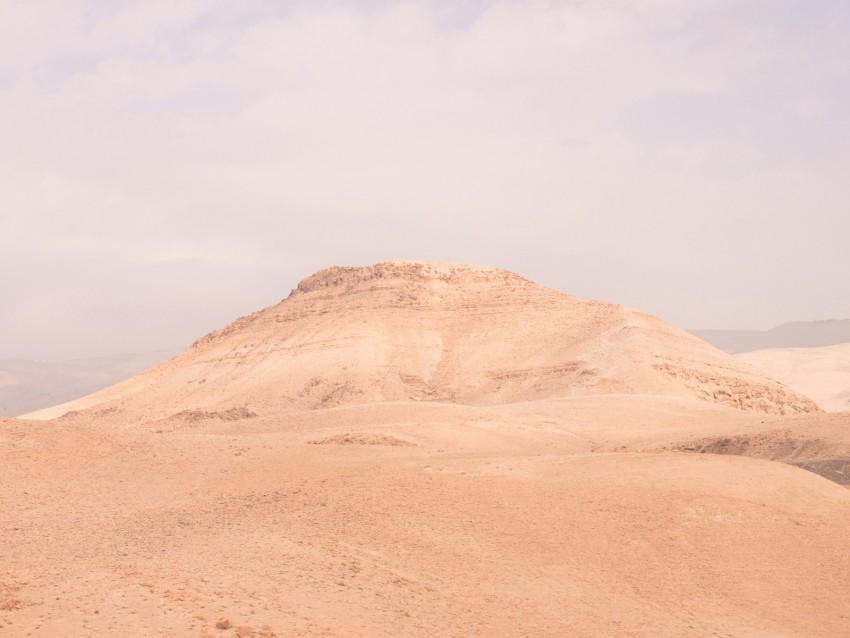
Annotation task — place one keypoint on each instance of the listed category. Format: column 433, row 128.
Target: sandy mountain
column 418, row 449
column 400, row 331
column 794, row 334
column 820, row 373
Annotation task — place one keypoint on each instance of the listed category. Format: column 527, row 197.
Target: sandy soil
column 540, row 519
column 643, row 504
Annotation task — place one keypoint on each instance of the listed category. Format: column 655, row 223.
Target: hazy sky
column 168, row 166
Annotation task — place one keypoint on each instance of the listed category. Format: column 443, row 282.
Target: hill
column 31, row 385
column 795, row 334
column 418, row 449
column 421, row 331
column 822, row 374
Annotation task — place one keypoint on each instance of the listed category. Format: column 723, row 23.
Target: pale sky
column 166, row 167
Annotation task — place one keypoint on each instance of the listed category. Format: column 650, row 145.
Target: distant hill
column 822, row 374
column 31, row 385
column 795, row 334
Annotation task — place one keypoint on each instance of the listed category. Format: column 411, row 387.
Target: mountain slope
column 422, row 331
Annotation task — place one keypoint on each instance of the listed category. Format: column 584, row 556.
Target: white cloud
column 593, row 146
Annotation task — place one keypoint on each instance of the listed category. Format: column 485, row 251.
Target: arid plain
column 424, row 449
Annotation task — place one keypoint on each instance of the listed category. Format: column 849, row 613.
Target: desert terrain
column 423, row 449
column 822, row 374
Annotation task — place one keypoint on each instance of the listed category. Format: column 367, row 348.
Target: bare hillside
column 421, row 331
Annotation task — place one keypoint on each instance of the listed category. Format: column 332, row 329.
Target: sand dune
column 448, row 475
column 822, row 374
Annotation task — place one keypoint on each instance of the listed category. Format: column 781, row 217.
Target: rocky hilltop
column 424, row 331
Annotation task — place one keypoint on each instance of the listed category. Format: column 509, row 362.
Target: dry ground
column 418, row 449
column 573, row 517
